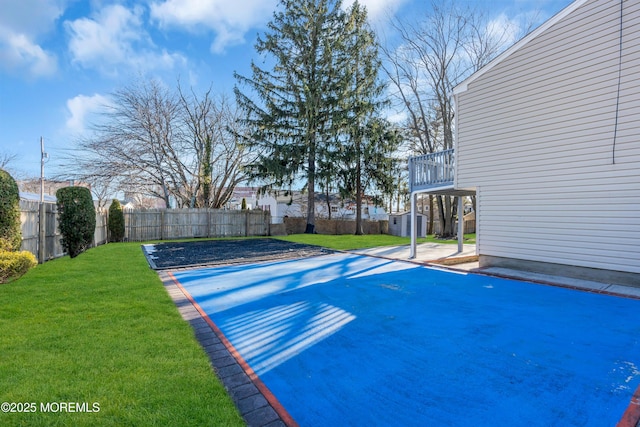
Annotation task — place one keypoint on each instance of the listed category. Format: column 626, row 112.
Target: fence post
column 41, row 233
column 267, row 219
column 208, row 222
column 162, row 220
column 246, row 222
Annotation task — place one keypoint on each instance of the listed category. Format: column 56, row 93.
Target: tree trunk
column 359, row 230
column 328, row 202
column 445, row 208
column 311, row 183
column 430, row 226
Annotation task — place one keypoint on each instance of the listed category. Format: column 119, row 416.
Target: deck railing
column 433, row 170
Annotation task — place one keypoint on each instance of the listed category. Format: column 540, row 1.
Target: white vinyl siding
column 535, row 136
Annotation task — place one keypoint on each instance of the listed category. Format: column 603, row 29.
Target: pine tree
column 295, row 116
column 115, row 223
column 360, row 107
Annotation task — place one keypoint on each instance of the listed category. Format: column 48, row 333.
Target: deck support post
column 460, row 223
column 414, row 225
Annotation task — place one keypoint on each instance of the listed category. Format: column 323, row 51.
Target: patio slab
column 425, row 252
column 436, row 253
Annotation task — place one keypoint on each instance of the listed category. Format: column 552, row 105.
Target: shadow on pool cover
column 163, row 256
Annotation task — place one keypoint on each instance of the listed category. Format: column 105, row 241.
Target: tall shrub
column 116, row 222
column 10, row 231
column 76, row 219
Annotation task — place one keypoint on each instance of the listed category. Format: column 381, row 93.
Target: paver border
column 256, row 404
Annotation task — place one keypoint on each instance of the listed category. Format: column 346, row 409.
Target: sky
column 61, row 59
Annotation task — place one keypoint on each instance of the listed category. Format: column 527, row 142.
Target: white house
column 548, row 137
column 296, row 206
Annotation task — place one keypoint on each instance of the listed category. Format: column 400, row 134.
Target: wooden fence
column 29, row 216
column 142, row 225
column 163, row 224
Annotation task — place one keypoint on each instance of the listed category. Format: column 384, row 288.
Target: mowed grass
column 101, row 329
column 348, row 241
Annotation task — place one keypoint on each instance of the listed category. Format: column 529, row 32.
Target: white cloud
column 30, row 17
column 80, row 107
column 108, row 37
column 114, row 38
column 505, row 30
column 22, row 23
column 229, row 20
column 18, row 53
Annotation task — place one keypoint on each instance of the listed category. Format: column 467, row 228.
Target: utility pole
column 42, row 217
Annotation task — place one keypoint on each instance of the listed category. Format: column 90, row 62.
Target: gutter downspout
column 414, row 213
column 454, row 97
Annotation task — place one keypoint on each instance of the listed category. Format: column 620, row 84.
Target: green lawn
column 101, row 329
column 348, row 241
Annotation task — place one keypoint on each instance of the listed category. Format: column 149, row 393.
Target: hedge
column 10, row 231
column 15, row 264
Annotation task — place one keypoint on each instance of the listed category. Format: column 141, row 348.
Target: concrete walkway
column 448, row 255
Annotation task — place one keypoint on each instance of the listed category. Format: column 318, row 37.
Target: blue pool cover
column 351, row 340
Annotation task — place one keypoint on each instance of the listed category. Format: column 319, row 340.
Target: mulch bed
column 220, row 252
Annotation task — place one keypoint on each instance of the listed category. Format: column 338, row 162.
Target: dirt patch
column 218, row 252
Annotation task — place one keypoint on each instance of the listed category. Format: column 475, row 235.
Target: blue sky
column 60, row 59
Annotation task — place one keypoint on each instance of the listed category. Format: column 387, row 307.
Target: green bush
column 76, row 219
column 116, row 222
column 10, row 231
column 15, row 264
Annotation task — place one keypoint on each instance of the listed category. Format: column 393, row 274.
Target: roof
column 462, row 87
column 36, row 197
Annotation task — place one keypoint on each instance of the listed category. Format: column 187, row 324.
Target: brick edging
column 257, row 406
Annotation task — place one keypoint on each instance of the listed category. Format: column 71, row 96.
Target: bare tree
column 135, row 141
column 6, row 159
column 213, row 141
column 434, row 55
column 155, row 142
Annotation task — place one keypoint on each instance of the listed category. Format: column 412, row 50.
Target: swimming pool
column 344, row 339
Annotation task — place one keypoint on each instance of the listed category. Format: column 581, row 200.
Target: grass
column 348, row 241
column 101, row 328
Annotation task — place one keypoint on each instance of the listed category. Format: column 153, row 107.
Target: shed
column 400, row 225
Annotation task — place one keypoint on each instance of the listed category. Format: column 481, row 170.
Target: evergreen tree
column 365, row 148
column 76, row 219
column 116, row 222
column 296, row 114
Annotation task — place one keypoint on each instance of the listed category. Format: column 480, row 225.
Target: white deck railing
column 433, row 170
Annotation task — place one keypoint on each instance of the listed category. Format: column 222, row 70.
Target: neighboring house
column 33, row 197
column 296, row 206
column 249, row 194
column 548, row 136
column 137, row 200
column 50, row 186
